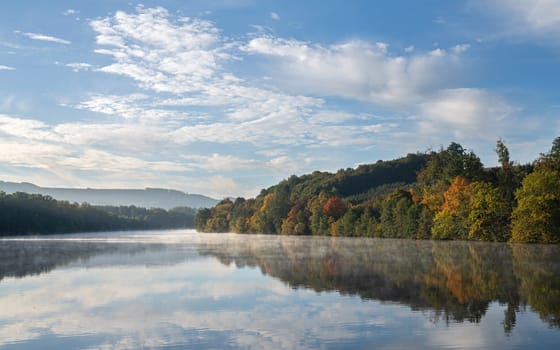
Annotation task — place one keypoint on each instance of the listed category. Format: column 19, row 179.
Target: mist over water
column 176, row 289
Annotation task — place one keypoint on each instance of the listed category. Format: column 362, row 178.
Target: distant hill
column 147, row 198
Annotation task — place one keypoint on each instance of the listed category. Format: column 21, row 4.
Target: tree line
column 22, row 213
column 445, row 194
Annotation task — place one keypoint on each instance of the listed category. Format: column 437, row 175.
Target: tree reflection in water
column 449, row 281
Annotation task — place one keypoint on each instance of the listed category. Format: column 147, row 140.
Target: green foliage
column 297, row 205
column 202, row 218
column 400, row 215
column 22, row 213
column 550, row 160
column 319, row 222
column 346, row 225
column 488, row 213
column 438, row 195
column 537, row 216
column 503, row 154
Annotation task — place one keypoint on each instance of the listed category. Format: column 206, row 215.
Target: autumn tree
column 537, row 215
column 241, row 214
column 297, row 221
column 488, row 213
column 442, row 168
column 451, row 221
column 271, row 210
column 335, row 207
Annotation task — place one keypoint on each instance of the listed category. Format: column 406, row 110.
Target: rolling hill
column 147, row 198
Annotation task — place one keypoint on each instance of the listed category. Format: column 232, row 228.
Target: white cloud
column 43, row 37
column 126, row 155
column 25, row 128
column 359, row 70
column 287, row 165
column 460, row 48
column 2, row 67
column 69, row 12
column 31, row 154
column 160, row 55
column 220, row 162
column 275, row 16
column 72, row 147
column 79, row 66
column 525, row 18
column 185, row 99
column 138, row 107
column 97, row 160
column 464, row 112
column 334, row 117
column 126, row 137
column 220, row 187
column 261, row 117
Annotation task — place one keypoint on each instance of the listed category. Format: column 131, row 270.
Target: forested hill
column 355, row 182
column 24, row 214
column 147, row 198
column 437, row 195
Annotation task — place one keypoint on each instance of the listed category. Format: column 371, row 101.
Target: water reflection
column 454, row 280
column 183, row 289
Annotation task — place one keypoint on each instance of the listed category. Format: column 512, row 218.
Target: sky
column 227, row 97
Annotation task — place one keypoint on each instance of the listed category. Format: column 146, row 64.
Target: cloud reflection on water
column 230, row 291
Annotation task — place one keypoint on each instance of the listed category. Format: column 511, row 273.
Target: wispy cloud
column 150, row 49
column 181, row 64
column 275, row 16
column 524, row 18
column 43, row 37
column 79, row 66
column 2, row 67
column 70, row 12
column 240, row 132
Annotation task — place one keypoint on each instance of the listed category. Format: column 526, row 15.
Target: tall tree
column 550, row 160
column 537, row 216
column 488, row 213
column 451, row 221
column 503, row 154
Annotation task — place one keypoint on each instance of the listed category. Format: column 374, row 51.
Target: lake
column 181, row 289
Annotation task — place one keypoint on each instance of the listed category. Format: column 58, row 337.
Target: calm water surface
column 178, row 289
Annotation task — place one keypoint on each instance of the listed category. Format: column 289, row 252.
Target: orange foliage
column 335, row 207
column 455, row 195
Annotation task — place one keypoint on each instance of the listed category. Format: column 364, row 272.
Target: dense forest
column 23, row 213
column 446, row 194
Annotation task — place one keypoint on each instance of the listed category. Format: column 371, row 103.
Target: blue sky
column 227, row 97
